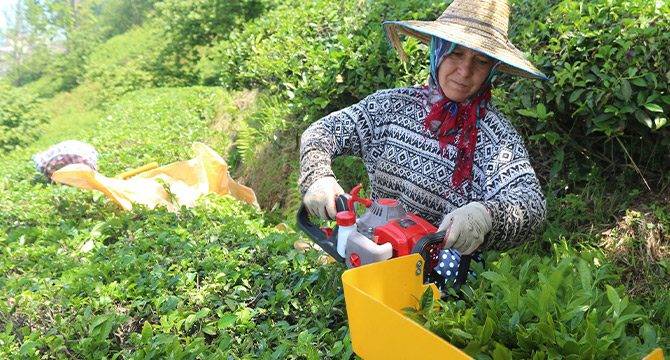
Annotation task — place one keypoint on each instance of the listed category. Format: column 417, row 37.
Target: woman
column 443, row 150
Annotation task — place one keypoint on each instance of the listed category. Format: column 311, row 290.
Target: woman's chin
column 458, row 95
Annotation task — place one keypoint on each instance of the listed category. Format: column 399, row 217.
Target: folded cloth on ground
column 174, row 185
column 65, row 153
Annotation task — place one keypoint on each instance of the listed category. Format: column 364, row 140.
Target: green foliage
column 62, row 34
column 319, row 66
column 261, row 127
column 118, row 16
column 74, row 25
column 125, row 62
column 189, row 25
column 20, row 118
column 196, row 23
column 545, row 307
column 156, row 284
column 81, row 277
column 145, row 121
column 609, row 75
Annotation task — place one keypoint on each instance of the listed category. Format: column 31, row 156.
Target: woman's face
column 462, row 73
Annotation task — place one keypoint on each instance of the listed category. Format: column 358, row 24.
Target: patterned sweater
column 404, row 162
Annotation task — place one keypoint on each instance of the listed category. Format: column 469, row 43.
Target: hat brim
column 512, row 59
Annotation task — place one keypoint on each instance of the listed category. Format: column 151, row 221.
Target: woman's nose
column 465, row 68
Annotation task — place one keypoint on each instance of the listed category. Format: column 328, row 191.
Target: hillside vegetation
column 80, row 278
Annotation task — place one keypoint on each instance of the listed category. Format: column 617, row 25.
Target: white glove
column 320, row 197
column 466, row 227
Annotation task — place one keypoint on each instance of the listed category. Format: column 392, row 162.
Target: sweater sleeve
column 513, row 195
column 344, row 132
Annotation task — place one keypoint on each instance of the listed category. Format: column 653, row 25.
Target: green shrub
column 213, row 281
column 81, row 277
column 118, row 16
column 126, row 62
column 189, row 25
column 609, row 86
column 336, row 57
column 20, row 118
column 531, row 307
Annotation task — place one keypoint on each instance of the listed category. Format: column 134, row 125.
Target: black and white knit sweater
column 404, row 162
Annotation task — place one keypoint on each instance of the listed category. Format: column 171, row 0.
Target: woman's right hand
column 320, row 197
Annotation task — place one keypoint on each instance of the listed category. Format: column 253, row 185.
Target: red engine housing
column 403, row 233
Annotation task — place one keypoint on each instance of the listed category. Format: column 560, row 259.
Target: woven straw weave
column 479, row 25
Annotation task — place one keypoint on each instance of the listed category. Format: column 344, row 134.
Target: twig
column 584, row 150
column 633, row 162
column 653, row 151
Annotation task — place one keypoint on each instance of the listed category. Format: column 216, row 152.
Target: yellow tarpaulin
column 173, row 185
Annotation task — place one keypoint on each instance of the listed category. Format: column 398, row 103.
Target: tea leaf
column 486, row 331
column 575, row 95
column 644, row 119
column 427, row 300
column 584, row 274
column 626, row 91
column 226, row 321
column 501, row 352
column 653, row 107
column 639, row 82
column 612, row 296
column 527, row 113
column 147, row 331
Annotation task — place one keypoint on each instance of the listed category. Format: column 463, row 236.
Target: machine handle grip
column 463, row 265
column 429, row 247
column 329, row 245
column 342, row 203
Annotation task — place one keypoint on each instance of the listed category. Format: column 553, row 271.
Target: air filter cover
column 379, row 213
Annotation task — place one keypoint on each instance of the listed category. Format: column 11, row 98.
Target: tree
column 54, row 37
column 24, row 60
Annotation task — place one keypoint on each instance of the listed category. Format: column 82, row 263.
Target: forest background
column 141, row 80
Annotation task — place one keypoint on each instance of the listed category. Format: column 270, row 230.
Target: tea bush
column 532, row 307
column 609, row 76
column 212, row 281
column 323, row 65
column 81, row 277
column 20, row 118
column 190, row 25
column 125, row 62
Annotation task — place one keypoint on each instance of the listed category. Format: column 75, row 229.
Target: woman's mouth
column 459, row 84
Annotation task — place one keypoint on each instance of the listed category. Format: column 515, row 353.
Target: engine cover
column 403, row 233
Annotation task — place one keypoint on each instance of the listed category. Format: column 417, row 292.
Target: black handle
column 329, row 245
column 342, row 203
column 429, row 247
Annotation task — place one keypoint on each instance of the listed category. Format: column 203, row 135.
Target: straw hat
column 480, row 25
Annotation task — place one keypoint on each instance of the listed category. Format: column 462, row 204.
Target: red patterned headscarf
column 456, row 123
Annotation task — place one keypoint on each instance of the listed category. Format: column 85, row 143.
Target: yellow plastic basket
column 375, row 295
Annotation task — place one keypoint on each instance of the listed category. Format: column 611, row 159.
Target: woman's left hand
column 466, row 227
